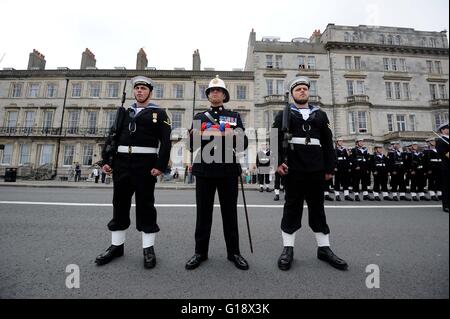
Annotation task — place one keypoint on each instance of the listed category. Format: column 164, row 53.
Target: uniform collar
column 149, row 105
column 312, row 108
column 217, row 108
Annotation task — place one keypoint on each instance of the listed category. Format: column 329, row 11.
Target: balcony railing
column 274, row 98
column 54, row 131
column 314, row 99
column 358, row 99
column 438, row 102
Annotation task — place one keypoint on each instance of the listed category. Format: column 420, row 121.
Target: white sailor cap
column 142, row 80
column 298, row 81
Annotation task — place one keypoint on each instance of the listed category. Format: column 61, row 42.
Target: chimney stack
column 36, row 61
column 315, row 37
column 141, row 61
column 88, row 60
column 196, row 62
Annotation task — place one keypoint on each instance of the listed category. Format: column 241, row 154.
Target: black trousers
column 341, row 180
column 380, row 181
column 398, row 181
column 132, row 176
column 435, row 180
column 278, row 181
column 263, row 179
column 418, row 181
column 445, row 172
column 300, row 187
column 205, row 190
column 360, row 176
column 328, row 185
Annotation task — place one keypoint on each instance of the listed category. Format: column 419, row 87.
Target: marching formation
column 410, row 174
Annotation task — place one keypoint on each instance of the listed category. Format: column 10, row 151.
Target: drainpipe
column 58, row 145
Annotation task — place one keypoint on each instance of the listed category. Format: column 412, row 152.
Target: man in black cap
column 442, row 148
column 311, row 161
column 217, row 135
column 131, row 153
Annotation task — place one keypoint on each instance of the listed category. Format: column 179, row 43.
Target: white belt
column 137, row 150
column 380, row 165
column 302, row 141
column 435, row 160
column 341, row 158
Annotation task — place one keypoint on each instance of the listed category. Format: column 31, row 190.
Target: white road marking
column 216, row 206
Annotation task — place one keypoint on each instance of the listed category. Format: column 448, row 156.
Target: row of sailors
column 355, row 166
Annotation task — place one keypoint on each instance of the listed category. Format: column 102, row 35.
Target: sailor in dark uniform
column 263, row 166
column 342, row 171
column 407, row 157
column 360, row 169
column 131, row 153
column 442, row 147
column 397, row 170
column 417, row 173
column 311, row 161
column 380, row 173
column 433, row 163
column 217, row 135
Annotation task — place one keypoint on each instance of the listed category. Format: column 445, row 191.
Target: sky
column 170, row 31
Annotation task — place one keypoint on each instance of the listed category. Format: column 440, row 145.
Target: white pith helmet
column 218, row 83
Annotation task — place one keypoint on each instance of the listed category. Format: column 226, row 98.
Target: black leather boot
column 277, row 198
column 195, row 261
column 286, row 258
column 110, row 253
column 338, row 198
column 239, row 261
column 327, row 255
column 149, row 257
column 348, row 198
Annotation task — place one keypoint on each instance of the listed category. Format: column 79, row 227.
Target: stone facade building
column 378, row 83
column 60, row 117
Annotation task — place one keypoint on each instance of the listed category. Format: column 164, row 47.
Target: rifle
column 440, row 137
column 110, row 148
column 285, row 128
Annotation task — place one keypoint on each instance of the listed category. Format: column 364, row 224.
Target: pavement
column 48, row 234
column 90, row 184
